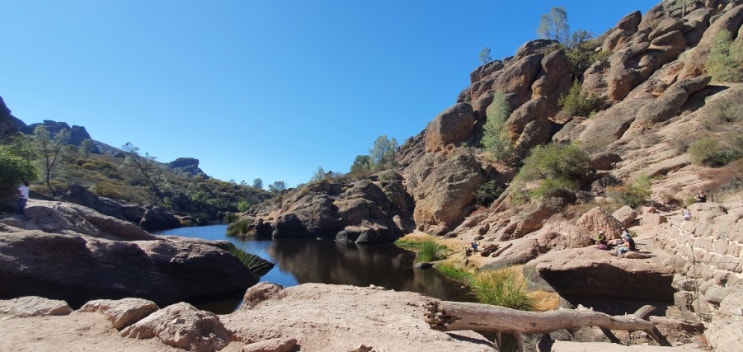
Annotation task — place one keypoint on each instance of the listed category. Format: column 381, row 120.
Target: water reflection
column 320, row 261
column 345, row 263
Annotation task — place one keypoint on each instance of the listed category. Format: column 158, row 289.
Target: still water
column 302, row 261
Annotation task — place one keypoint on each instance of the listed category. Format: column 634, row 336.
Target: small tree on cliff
column 49, row 148
column 495, row 136
column 383, row 152
column 554, row 25
column 485, row 55
column 146, row 167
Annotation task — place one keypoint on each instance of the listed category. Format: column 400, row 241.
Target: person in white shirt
column 22, row 198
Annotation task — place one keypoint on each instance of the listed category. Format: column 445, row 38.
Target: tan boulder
column 122, row 312
column 31, row 306
column 452, row 126
column 443, row 188
column 183, row 326
column 590, row 223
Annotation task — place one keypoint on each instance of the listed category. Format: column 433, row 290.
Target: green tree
column 277, row 187
column 87, row 146
column 725, row 59
column 556, row 168
column 147, row 168
column 15, row 164
column 485, row 55
column 554, row 25
column 319, row 175
column 258, row 183
column 383, row 152
column 50, row 148
column 495, row 136
column 361, row 164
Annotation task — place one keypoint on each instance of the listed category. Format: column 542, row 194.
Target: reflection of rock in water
column 348, row 264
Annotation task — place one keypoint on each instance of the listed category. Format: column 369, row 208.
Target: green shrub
column 707, row 151
column 504, row 287
column 576, row 103
column 15, row 169
column 238, row 227
column 559, row 169
column 725, row 59
column 231, row 217
column 637, row 192
column 488, row 192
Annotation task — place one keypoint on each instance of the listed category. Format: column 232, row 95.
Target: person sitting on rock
column 601, row 242
column 626, row 244
column 685, row 213
column 701, row 197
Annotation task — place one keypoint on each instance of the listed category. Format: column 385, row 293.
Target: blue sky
column 269, row 89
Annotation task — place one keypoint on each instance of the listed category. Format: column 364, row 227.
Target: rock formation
column 65, row 251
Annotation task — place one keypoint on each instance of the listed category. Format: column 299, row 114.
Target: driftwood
column 497, row 253
column 448, row 316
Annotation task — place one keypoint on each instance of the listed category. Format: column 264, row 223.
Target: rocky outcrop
column 453, row 126
column 80, row 268
column 364, row 211
column 589, row 272
column 77, row 133
column 187, row 165
column 9, row 124
column 158, row 219
column 444, row 190
column 66, row 251
column 80, row 195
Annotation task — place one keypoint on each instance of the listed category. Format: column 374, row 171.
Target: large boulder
column 80, row 195
column 78, row 268
column 62, row 217
column 591, row 273
column 452, row 126
column 158, row 219
column 183, row 326
column 444, row 190
column 363, row 211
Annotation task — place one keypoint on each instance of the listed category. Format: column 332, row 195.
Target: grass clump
column 427, row 249
column 504, row 287
column 454, row 272
column 238, row 227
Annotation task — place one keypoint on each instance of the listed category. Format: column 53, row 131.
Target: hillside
column 82, row 167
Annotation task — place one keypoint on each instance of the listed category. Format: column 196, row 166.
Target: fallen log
column 449, row 316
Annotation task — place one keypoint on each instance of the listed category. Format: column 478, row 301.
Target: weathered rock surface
column 183, row 326
column 67, row 251
column 590, row 272
column 123, row 312
column 29, row 306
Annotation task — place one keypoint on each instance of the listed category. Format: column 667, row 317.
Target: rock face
column 588, row 272
column 365, row 212
column 66, row 251
column 187, row 165
column 77, row 133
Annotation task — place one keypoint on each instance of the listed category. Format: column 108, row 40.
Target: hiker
column 701, row 197
column 626, row 244
column 685, row 213
column 601, row 242
column 22, row 198
column 474, row 246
